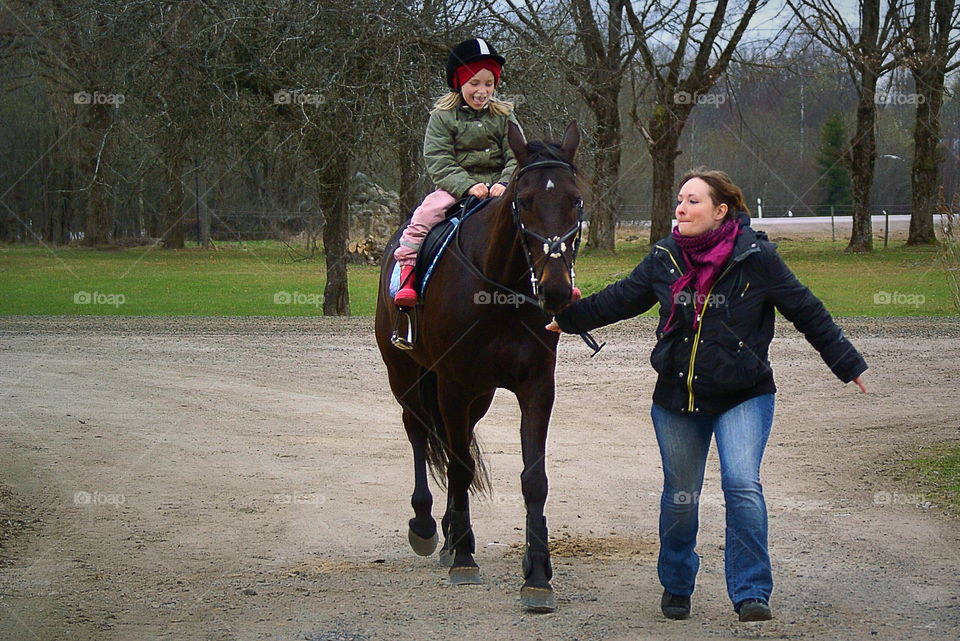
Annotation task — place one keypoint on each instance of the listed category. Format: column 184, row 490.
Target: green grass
column 242, row 279
column 938, row 474
column 913, row 277
column 234, row 280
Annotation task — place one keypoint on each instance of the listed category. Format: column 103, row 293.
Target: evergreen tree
column 832, row 163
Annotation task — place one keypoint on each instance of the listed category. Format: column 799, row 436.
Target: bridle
column 556, row 246
column 553, row 248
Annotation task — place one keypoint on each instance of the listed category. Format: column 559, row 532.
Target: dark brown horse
column 479, row 327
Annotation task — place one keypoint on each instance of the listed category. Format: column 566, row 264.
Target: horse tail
column 438, row 455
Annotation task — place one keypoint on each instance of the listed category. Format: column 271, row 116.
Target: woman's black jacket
column 724, row 361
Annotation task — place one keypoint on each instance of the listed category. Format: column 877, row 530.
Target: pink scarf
column 704, row 255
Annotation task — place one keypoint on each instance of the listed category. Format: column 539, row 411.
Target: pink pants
column 430, row 212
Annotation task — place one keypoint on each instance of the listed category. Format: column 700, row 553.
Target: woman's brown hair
column 722, row 189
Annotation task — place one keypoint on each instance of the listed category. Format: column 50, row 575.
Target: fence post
column 833, row 226
column 886, row 229
column 759, row 208
column 203, row 212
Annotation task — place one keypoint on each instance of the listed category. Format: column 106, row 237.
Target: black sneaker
column 674, row 606
column 754, row 610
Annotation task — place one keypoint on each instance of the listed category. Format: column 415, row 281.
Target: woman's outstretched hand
column 858, row 380
column 553, row 327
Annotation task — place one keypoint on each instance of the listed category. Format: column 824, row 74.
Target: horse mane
column 539, row 150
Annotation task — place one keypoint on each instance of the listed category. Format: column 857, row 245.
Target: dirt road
column 249, row 479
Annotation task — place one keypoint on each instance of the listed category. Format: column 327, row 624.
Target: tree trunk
column 408, row 148
column 665, row 128
column 863, row 158
column 334, row 201
column 97, row 228
column 926, row 156
column 601, row 233
column 173, row 201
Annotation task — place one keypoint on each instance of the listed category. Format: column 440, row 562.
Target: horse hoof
column 422, row 546
column 465, row 576
column 538, row 599
column 446, row 558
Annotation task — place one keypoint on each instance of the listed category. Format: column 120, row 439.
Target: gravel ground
column 208, row 478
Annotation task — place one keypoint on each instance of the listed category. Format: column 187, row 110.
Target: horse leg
column 478, row 408
column 422, row 533
column 536, row 403
column 461, row 468
column 408, row 382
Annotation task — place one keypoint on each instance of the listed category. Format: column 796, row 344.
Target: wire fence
column 240, row 225
column 641, row 214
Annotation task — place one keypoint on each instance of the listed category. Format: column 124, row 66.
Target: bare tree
column 594, row 59
column 317, row 72
column 934, row 40
column 869, row 51
column 702, row 53
column 76, row 47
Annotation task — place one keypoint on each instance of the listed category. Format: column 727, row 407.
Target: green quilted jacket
column 463, row 147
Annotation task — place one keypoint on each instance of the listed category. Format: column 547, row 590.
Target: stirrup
column 396, row 339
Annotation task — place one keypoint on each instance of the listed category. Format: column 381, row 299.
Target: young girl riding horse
column 465, row 149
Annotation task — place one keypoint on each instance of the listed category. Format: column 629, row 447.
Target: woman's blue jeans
column 684, row 440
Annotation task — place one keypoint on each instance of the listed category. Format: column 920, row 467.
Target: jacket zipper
column 672, row 259
column 696, row 340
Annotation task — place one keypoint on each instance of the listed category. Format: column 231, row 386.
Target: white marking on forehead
column 550, row 184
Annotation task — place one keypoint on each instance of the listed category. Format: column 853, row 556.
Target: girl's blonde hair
column 450, row 101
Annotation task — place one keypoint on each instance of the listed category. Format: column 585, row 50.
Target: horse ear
column 518, row 142
column 571, row 140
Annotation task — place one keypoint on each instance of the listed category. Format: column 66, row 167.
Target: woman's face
column 696, row 213
column 479, row 89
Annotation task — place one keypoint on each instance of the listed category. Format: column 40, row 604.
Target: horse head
column 548, row 210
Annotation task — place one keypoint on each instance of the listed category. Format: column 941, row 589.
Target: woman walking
column 718, row 283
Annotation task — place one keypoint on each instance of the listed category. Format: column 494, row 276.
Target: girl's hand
column 553, row 327
column 479, row 190
column 497, row 190
column 859, row 381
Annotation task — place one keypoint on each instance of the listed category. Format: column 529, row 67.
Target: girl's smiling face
column 478, row 90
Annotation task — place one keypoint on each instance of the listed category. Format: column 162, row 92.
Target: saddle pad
column 431, row 250
column 433, row 246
